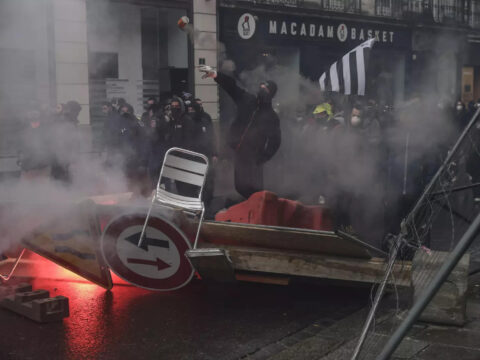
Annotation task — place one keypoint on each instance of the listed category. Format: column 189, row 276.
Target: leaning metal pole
column 376, row 301
column 432, row 289
column 403, row 232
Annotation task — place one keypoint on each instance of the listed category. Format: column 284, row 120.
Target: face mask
column 356, row 120
column 459, row 107
column 176, row 112
column 263, row 94
column 198, row 108
column 321, row 117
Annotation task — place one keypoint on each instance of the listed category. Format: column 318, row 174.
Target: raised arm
column 226, row 82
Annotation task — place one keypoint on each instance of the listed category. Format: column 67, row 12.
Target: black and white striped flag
column 352, row 70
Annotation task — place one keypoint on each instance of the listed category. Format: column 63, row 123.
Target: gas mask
column 356, row 121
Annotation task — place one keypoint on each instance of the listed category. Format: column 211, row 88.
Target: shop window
column 102, row 65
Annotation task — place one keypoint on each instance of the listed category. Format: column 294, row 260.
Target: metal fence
column 441, row 220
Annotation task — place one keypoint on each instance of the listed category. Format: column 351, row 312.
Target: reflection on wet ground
column 200, row 321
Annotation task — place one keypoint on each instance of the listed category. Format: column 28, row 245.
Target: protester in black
column 203, row 141
column 179, row 125
column 112, row 135
column 65, row 141
column 255, row 134
column 156, row 131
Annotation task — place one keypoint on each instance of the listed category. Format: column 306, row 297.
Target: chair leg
column 12, row 270
column 198, row 230
column 142, row 235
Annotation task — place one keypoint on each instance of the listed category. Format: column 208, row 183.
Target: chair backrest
column 184, row 166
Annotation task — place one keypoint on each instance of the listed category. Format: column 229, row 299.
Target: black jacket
column 203, row 135
column 255, row 134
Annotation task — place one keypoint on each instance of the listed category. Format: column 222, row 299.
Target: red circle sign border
column 108, row 245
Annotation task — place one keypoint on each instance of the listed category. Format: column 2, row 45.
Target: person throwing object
column 255, row 134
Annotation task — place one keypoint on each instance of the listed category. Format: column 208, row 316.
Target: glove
column 208, row 71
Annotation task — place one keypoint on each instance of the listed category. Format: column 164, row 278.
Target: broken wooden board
column 283, row 238
column 289, row 263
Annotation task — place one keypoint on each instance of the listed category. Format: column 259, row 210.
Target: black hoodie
column 255, row 134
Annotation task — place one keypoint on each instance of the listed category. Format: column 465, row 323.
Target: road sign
column 159, row 263
column 72, row 241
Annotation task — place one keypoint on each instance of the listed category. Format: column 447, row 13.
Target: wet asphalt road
column 200, row 321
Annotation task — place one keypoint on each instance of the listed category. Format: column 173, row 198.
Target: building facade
column 53, row 51
column 422, row 46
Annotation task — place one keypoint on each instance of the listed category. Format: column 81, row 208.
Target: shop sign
column 278, row 27
column 340, row 32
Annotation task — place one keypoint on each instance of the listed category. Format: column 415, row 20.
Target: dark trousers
column 248, row 176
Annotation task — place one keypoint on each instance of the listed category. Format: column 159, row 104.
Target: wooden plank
column 283, row 238
column 314, row 265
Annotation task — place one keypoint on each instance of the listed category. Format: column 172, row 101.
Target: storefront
column 136, row 50
column 309, row 44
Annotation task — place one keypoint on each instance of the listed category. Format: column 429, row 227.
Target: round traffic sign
column 157, row 263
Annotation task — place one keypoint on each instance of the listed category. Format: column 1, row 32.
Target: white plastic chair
column 191, row 169
column 7, row 277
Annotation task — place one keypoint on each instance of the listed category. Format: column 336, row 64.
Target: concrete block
column 205, row 22
column 8, row 290
column 37, row 305
column 449, row 304
column 205, row 6
column 71, row 52
column 72, row 73
column 70, row 31
column 72, row 10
